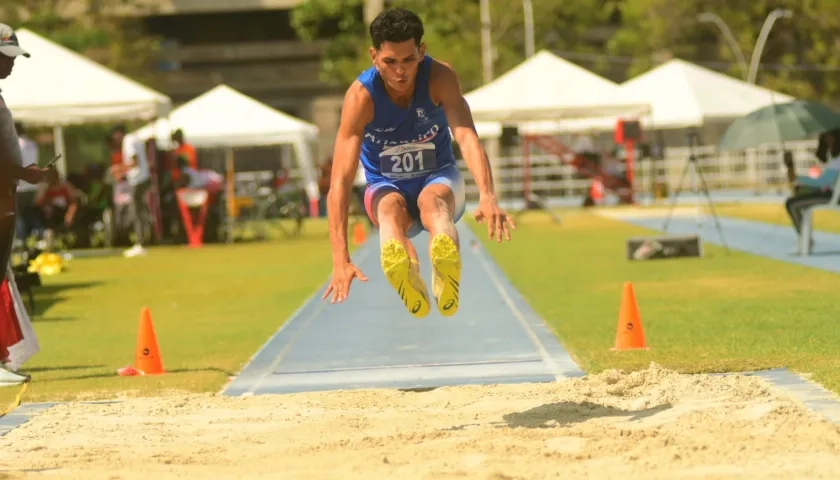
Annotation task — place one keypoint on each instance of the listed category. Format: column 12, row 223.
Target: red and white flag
column 18, row 342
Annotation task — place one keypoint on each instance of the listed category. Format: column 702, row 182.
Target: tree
column 453, row 32
column 91, row 27
column 800, row 57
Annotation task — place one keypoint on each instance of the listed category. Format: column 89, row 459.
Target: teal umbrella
column 779, row 123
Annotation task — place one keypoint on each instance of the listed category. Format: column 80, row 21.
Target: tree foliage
column 89, row 27
column 798, row 58
column 453, row 32
column 801, row 56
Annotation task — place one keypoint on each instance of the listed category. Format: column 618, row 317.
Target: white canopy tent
column 684, row 95
column 58, row 87
column 225, row 118
column 488, row 129
column 547, row 87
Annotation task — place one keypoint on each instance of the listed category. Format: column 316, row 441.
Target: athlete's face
column 397, row 63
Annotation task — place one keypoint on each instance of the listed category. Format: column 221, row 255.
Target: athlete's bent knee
column 436, row 199
column 392, row 209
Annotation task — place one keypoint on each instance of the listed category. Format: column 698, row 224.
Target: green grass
column 214, row 307
column 722, row 312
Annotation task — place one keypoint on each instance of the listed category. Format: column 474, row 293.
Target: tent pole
column 58, row 141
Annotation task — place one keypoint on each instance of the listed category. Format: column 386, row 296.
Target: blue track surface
column 371, row 340
column 772, row 241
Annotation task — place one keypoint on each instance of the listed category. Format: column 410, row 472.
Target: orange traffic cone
column 359, row 233
column 147, row 355
column 629, row 335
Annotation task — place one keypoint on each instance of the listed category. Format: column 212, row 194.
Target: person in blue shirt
column 816, row 191
column 396, row 119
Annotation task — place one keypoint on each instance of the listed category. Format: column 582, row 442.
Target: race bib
column 409, row 160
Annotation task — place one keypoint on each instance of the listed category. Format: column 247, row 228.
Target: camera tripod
column 696, row 174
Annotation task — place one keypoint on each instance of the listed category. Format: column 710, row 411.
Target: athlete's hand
column 498, row 223
column 342, row 276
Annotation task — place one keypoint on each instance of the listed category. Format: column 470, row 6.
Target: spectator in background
column 28, row 219
column 190, row 177
column 828, row 146
column 59, row 201
column 182, row 148
column 135, row 169
column 816, row 191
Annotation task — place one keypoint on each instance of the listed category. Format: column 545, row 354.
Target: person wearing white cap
column 11, row 172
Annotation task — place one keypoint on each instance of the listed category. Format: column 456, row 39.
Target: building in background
column 251, row 46
column 248, row 45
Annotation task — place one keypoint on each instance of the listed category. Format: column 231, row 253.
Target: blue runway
column 371, row 341
column 772, row 241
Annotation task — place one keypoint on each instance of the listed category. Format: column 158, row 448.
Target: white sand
column 654, row 424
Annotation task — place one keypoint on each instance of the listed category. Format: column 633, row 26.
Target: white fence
column 754, row 170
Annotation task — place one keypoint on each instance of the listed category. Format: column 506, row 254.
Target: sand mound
column 651, row 424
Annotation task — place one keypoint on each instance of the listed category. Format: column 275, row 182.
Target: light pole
column 528, row 9
column 486, row 42
column 762, row 39
column 730, row 39
column 372, row 9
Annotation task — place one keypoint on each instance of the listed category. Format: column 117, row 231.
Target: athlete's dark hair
column 396, row 26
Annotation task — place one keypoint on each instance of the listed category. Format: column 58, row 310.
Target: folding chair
column 808, row 222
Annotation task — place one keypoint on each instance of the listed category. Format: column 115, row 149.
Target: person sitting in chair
column 58, row 200
column 811, row 191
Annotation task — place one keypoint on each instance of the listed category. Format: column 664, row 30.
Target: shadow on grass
column 62, row 368
column 47, row 296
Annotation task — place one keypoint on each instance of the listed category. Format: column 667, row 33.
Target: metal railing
column 759, row 171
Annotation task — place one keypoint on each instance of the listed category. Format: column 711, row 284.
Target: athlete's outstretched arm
column 356, row 112
column 446, row 89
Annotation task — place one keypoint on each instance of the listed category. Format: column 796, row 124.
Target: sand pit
column 653, row 424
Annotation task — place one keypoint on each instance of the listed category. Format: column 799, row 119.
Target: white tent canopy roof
column 547, row 87
column 684, row 95
column 687, row 95
column 58, row 86
column 224, row 117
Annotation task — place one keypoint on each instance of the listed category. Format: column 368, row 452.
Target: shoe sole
column 10, row 379
column 396, row 264
column 446, row 266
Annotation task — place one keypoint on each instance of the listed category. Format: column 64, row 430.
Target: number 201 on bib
column 408, row 160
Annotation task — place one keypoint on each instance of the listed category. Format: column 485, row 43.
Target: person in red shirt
column 185, row 149
column 59, row 202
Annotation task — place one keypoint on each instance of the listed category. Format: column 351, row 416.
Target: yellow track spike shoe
column 446, row 274
column 404, row 276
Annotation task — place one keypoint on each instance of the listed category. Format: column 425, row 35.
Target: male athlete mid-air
column 397, row 117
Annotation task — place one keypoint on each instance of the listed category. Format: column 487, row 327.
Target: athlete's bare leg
column 399, row 257
column 437, row 206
